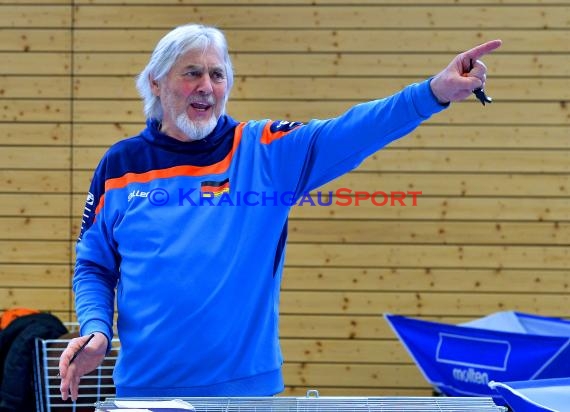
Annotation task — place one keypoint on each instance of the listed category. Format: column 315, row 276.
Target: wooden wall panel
column 36, row 64
column 504, row 113
column 40, row 134
column 429, row 136
column 335, row 17
column 490, row 230
column 403, row 232
column 35, row 40
column 37, row 276
column 34, row 204
column 318, row 41
column 444, row 160
column 32, row 16
column 405, row 279
column 35, row 155
column 340, row 65
column 492, row 208
column 304, row 2
column 321, row 88
column 35, row 181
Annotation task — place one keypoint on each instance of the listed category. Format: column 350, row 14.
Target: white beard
column 195, row 130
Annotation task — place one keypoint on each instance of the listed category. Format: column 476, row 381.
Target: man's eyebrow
column 193, row 66
column 201, row 67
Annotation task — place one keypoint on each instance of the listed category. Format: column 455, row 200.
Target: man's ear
column 155, row 87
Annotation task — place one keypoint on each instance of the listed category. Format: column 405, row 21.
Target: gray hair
column 169, row 49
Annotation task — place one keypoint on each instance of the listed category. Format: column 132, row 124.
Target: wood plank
column 460, row 160
column 419, row 280
column 431, row 135
column 330, row 88
column 469, row 113
column 370, row 232
column 87, row 158
column 105, row 134
column 39, row 276
column 439, row 209
column 102, row 111
column 44, row 134
column 40, row 298
column 42, row 2
column 351, row 327
column 34, row 228
column 81, row 183
column 456, row 184
column 35, row 157
column 331, row 326
column 52, row 64
column 422, row 256
column 45, row 87
column 28, row 251
column 354, row 326
column 350, row 375
column 407, row 40
column 343, row 351
column 31, row 181
column 40, row 110
column 32, row 16
column 416, row 303
column 306, row 2
column 327, row 88
column 337, row 41
column 337, row 17
column 418, row 65
column 40, row 204
column 428, row 136
column 35, row 40
column 450, row 208
column 430, row 184
column 448, row 233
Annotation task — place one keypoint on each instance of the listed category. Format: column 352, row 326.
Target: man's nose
column 205, row 85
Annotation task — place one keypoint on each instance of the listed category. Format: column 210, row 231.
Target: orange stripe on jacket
column 175, row 171
column 100, row 204
column 268, row 136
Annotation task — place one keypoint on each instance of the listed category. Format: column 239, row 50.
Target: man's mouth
column 201, row 107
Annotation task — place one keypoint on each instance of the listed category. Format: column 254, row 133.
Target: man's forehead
column 200, row 58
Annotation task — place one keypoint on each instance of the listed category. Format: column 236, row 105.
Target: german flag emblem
column 210, row 188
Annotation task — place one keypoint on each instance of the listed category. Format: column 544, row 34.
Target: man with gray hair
column 187, row 221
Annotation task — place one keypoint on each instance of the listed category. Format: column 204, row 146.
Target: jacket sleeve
column 97, row 263
column 322, row 150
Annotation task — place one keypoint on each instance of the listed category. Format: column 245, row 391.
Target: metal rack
column 95, row 386
column 314, row 403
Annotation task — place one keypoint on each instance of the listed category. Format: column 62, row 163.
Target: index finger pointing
column 483, row 49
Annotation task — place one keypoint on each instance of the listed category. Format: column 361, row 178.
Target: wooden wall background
column 490, row 232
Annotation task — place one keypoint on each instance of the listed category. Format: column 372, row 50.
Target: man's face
column 193, row 94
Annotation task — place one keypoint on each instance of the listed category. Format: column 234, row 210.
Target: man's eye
column 193, row 73
column 218, row 76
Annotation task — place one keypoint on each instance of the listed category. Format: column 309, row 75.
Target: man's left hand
column 464, row 74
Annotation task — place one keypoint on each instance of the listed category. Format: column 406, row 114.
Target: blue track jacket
column 190, row 236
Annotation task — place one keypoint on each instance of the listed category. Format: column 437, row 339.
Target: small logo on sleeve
column 283, row 126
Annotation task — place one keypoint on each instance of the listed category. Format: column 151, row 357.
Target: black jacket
column 17, row 357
